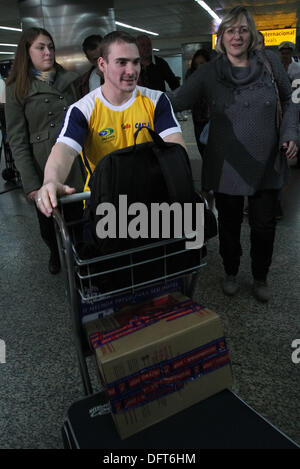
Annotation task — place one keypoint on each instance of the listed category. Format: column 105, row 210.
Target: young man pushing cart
column 106, row 119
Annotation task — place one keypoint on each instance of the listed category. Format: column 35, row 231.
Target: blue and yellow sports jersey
column 95, row 128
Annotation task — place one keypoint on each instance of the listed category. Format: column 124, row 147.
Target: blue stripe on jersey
column 164, row 116
column 87, row 164
column 75, row 126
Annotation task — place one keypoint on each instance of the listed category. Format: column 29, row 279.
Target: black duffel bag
column 146, row 173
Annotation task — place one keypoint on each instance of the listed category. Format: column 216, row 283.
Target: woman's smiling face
column 236, row 39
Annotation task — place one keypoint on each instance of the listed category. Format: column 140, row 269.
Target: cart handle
column 78, row 197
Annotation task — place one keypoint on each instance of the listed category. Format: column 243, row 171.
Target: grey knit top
column 242, row 155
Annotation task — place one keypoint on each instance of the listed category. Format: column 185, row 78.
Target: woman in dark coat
column 246, row 153
column 38, row 93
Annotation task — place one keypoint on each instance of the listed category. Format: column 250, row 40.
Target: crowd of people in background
column 240, row 152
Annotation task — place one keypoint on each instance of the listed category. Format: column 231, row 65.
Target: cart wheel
column 8, row 174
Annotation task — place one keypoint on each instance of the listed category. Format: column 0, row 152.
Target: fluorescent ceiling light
column 156, row 50
column 7, row 53
column 136, row 29
column 9, row 45
column 209, row 10
column 10, row 29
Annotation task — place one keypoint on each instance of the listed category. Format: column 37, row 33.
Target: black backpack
column 150, row 172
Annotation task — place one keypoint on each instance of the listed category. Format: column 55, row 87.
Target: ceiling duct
column 69, row 23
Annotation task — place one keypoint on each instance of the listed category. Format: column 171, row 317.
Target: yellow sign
column 273, row 37
column 214, row 41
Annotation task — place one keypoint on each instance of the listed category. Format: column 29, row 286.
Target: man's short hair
column 115, row 36
column 91, row 42
column 144, row 37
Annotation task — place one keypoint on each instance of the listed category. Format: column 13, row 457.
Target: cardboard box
column 158, row 359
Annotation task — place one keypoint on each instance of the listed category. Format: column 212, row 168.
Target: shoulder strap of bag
column 175, row 167
column 155, row 137
column 279, row 107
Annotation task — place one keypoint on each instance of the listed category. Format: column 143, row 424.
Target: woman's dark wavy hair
column 21, row 73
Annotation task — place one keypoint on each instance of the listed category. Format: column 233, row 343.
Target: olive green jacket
column 33, row 125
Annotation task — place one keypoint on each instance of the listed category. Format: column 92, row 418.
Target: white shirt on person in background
column 94, row 80
column 294, row 70
column 2, row 90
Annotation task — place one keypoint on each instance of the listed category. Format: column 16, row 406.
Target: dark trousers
column 262, row 221
column 71, row 212
column 47, row 232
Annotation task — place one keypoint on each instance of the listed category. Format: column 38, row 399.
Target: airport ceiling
column 176, row 21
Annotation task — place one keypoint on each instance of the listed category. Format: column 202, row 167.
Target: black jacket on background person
column 155, row 75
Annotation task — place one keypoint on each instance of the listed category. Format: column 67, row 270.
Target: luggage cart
column 86, row 278
column 10, row 172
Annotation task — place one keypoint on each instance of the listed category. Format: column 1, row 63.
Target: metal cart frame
column 81, row 273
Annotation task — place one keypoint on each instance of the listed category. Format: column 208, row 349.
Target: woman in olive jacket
column 246, row 152
column 38, row 93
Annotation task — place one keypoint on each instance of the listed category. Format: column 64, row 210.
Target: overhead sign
column 273, row 37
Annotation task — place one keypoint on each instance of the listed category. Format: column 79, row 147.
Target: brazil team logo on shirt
column 107, row 134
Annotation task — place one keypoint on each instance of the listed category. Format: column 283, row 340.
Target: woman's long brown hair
column 21, row 72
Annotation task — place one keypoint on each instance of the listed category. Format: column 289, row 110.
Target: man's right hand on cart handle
column 56, row 172
column 46, row 199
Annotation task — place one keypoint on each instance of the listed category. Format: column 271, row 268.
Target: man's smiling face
column 122, row 68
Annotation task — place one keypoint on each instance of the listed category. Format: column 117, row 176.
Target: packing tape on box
column 167, row 376
column 148, row 317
